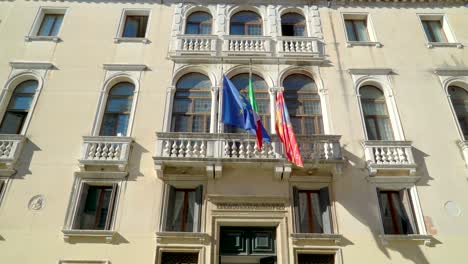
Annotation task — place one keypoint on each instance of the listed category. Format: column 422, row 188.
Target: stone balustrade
column 298, row 46
column 200, row 44
column 389, row 155
column 246, row 44
column 104, row 151
column 10, row 150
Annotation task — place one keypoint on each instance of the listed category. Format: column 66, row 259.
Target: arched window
column 241, row 81
column 199, row 23
column 459, row 98
column 303, row 102
column 246, row 23
column 375, row 112
column 18, row 107
column 293, row 24
column 192, row 104
column 118, row 108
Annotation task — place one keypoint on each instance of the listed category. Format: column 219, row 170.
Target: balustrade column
column 214, row 108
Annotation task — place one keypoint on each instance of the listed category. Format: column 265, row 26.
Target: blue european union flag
column 237, row 111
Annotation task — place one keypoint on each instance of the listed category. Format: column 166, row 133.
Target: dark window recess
column 246, row 23
column 315, row 259
column 397, row 212
column 312, row 211
column 179, row 258
column 248, row 241
column 293, row 24
column 184, row 209
column 356, row 29
column 50, row 25
column 434, row 31
column 199, row 23
column 18, row 107
column 118, row 109
column 459, row 98
column 376, row 117
column 135, row 26
column 96, row 206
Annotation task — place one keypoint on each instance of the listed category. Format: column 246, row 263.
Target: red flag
column 285, row 132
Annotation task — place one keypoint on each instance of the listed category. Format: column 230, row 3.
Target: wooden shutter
column 110, row 210
column 325, row 209
column 408, row 209
column 297, row 221
column 198, row 209
column 81, row 199
column 170, row 208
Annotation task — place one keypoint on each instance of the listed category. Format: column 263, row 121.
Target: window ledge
column 363, row 43
column 311, row 237
column 444, row 44
column 182, row 237
column 417, row 238
column 132, row 40
column 108, row 235
column 42, row 38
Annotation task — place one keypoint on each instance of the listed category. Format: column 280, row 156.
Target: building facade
column 113, row 149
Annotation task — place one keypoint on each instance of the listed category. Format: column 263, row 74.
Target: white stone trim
column 373, row 40
column 133, row 12
column 413, row 193
column 451, row 39
column 6, row 184
column 116, row 73
column 24, row 71
column 160, row 249
column 43, row 10
column 75, row 196
column 380, row 78
column 332, row 250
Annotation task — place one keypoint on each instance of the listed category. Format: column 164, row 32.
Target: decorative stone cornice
column 370, row 71
column 124, row 67
column 451, row 72
column 31, row 65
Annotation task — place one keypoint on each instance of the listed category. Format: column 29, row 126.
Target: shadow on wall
column 24, row 162
column 135, row 161
column 367, row 211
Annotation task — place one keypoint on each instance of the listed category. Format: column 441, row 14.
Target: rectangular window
column 312, row 211
column 95, row 207
column 356, row 29
column 179, row 258
column 315, row 259
column 397, row 212
column 50, row 25
column 135, row 26
column 434, row 30
column 184, row 209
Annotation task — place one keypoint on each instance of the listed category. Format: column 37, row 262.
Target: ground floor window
column 179, row 258
column 315, row 259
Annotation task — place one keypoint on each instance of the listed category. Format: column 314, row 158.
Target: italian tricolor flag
column 258, row 121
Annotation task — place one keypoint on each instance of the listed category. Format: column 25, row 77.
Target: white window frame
column 259, row 10
column 21, row 72
column 32, row 35
column 451, row 39
column 133, row 12
column 117, row 73
column 283, row 10
column 199, row 8
column 418, row 213
column 373, row 41
column 380, row 78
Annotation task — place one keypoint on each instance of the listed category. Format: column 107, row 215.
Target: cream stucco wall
column 68, row 102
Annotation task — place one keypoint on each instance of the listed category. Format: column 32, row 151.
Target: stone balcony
column 103, row 153
column 389, row 158
column 208, row 153
column 237, row 48
column 10, row 151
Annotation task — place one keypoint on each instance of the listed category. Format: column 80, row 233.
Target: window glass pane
column 96, row 208
column 402, row 219
column 202, row 106
column 177, row 217
column 26, row 87
column 428, row 31
column 371, row 129
column 118, row 105
column 239, row 24
column 374, row 108
column 254, row 30
column 198, row 124
column 299, row 82
column 312, row 108
column 437, row 31
column 245, row 17
column 237, row 29
column 192, row 29
column 205, row 29
column 180, row 123
column 20, row 103
column 310, row 127
column 263, row 107
column 182, row 106
column 190, row 211
column 361, row 30
column 350, row 30
column 297, row 125
column 194, row 81
column 199, row 23
column 109, row 125
column 292, row 24
column 12, row 123
column 385, row 129
column 299, row 31
column 123, row 88
column 122, row 125
column 241, row 82
column 316, row 213
column 304, row 213
column 58, row 24
column 135, row 27
column 386, row 213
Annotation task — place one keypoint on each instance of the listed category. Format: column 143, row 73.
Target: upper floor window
column 459, row 98
column 312, row 211
column 184, row 209
column 95, row 207
column 397, row 212
column 18, row 107
column 50, row 25
column 376, row 117
column 246, row 23
column 356, row 29
column 199, row 23
column 118, row 108
column 135, row 26
column 303, row 102
column 192, row 104
column 293, row 24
